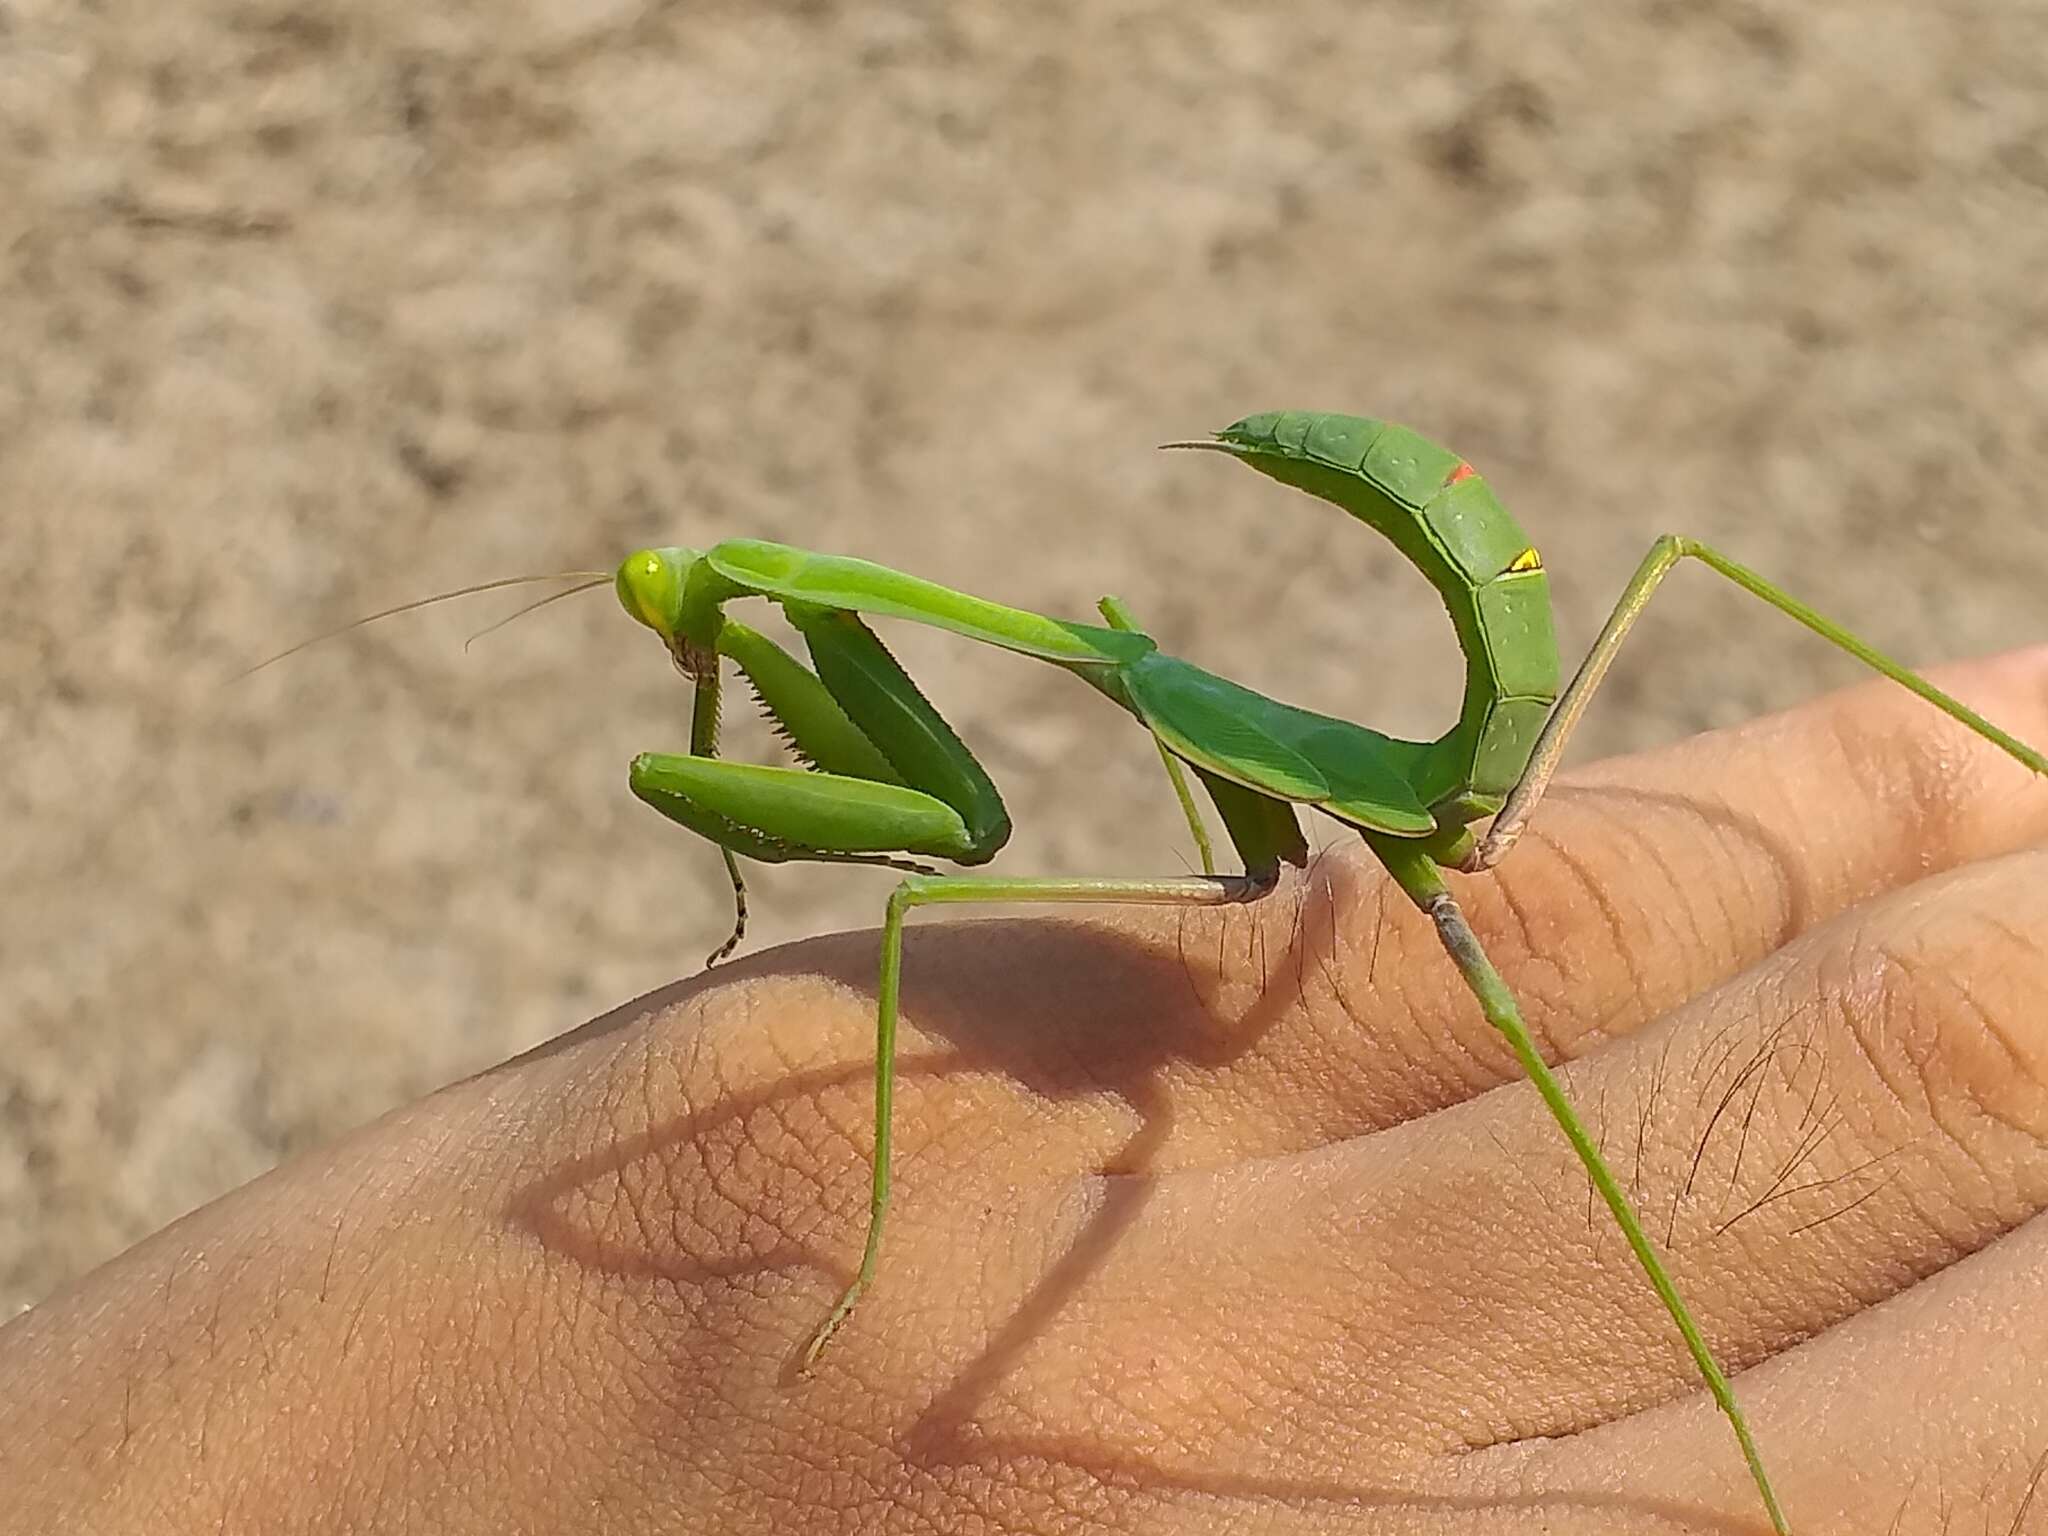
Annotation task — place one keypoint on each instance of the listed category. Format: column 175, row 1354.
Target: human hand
column 1229, row 1220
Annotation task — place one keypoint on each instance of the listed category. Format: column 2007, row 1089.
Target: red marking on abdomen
column 1464, row 471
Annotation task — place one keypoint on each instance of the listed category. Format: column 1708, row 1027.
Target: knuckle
column 776, row 1128
column 1953, row 981
column 710, row 1154
column 1566, row 930
column 1897, row 752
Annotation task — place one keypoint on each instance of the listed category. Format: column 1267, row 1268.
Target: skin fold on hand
column 1234, row 1220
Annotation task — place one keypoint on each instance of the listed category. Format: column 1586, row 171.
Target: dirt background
column 309, row 309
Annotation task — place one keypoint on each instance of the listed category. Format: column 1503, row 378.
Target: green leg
column 1663, row 555
column 1119, row 617
column 1423, row 882
column 704, row 743
column 934, row 890
column 739, row 910
column 1188, row 807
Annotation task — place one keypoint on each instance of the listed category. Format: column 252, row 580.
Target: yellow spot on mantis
column 1527, row 560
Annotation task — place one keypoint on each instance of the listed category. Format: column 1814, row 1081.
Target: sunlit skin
column 1217, row 1220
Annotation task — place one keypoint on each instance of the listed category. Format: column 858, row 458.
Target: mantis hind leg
column 933, row 890
column 1664, row 554
column 1419, row 877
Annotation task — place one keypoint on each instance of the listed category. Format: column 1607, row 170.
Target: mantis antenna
column 539, row 602
column 585, row 579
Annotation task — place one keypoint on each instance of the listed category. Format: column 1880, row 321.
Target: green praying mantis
column 882, row 779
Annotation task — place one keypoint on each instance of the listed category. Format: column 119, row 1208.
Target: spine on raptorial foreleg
column 887, row 707
column 1446, row 521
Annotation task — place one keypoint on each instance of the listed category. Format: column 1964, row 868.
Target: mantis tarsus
column 884, row 780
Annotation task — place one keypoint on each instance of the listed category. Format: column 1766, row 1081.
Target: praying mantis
column 881, row 778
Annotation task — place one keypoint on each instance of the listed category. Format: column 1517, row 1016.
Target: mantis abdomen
column 1446, row 520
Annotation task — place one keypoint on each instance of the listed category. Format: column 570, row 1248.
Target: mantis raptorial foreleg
column 1521, row 802
column 808, row 717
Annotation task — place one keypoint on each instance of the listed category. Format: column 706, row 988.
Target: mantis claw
column 841, row 1310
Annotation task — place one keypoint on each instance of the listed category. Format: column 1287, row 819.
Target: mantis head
column 650, row 586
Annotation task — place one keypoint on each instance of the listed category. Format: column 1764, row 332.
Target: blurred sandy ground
column 307, row 309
